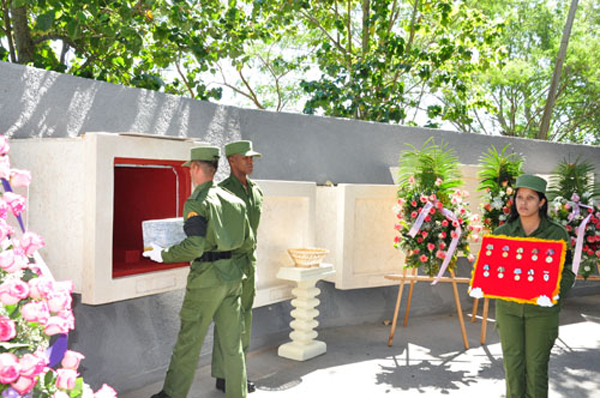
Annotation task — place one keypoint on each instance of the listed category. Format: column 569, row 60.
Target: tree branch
column 8, row 31
column 185, row 81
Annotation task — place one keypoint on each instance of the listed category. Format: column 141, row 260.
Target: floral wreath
column 571, row 196
column 434, row 222
column 33, row 308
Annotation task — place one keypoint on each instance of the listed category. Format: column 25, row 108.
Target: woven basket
column 306, row 257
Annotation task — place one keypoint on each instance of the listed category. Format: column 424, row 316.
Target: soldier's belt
column 213, row 256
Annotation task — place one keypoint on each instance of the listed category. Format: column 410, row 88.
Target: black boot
column 220, row 384
column 161, row 394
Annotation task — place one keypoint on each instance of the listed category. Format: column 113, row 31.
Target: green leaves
column 574, row 177
column 498, row 169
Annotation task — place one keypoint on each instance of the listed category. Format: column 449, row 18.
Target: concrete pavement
column 427, row 359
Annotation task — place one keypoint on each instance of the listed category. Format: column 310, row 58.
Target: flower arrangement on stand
column 434, row 223
column 499, row 172
column 571, row 195
column 35, row 310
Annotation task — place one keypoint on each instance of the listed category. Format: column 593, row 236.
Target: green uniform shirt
column 551, row 230
column 227, row 229
column 253, row 197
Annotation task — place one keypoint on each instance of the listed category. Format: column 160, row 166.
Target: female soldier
column 528, row 331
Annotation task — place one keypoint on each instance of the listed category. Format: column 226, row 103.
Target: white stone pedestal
column 303, row 345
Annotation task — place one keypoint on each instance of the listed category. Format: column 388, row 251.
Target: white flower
column 544, row 301
column 497, row 203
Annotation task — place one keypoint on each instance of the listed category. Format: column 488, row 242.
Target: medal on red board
column 524, row 270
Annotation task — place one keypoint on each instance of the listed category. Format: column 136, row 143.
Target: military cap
column 535, row 183
column 204, row 154
column 243, row 148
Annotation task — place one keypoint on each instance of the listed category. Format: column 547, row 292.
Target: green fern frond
column 426, row 165
column 498, row 167
column 571, row 177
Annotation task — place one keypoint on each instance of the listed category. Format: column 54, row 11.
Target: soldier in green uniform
column 215, row 225
column 241, row 161
column 527, row 331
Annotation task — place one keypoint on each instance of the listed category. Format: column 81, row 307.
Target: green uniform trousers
column 527, row 338
column 247, row 301
column 200, row 307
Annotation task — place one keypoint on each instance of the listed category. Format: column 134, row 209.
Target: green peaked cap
column 530, row 181
column 204, row 154
column 243, row 148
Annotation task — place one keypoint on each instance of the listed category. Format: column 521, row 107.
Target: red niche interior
column 145, row 189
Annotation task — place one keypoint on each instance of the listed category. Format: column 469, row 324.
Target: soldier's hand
column 155, row 254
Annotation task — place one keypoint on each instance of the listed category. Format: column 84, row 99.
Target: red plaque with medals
column 525, row 270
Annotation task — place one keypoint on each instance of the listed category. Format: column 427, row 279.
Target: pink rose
column 401, row 201
column 23, row 385
column 32, row 365
column 9, row 368
column 414, row 214
column 438, row 181
column 442, row 245
column 59, row 299
column 30, row 242
column 445, row 223
column 396, row 239
column 20, row 178
column 424, row 234
column 13, row 260
column 15, row 201
column 430, row 247
column 12, row 292
column 442, row 235
column 432, row 197
column 71, row 359
column 423, row 258
column 4, row 146
column 36, row 311
column 440, row 254
column 66, row 379
column 411, row 180
column 56, row 325
column 69, row 318
column 5, row 229
column 413, row 203
column 8, row 329
column 4, row 167
column 3, row 209
column 105, row 391
column 40, row 288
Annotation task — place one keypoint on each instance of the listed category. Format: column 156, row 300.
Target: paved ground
column 427, row 360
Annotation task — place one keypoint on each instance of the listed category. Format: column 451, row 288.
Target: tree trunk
column 23, row 41
column 560, row 59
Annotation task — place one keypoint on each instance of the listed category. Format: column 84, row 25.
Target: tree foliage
column 386, row 60
column 483, row 66
column 519, row 87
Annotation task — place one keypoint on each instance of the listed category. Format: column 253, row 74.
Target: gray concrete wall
column 128, row 344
